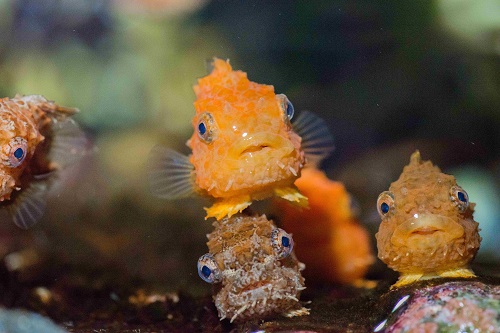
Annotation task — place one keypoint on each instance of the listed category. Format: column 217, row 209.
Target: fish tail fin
column 317, row 140
column 28, row 206
column 170, row 174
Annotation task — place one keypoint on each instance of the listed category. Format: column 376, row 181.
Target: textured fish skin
column 24, row 117
column 37, row 137
column 425, row 234
column 255, row 283
column 245, row 146
column 253, row 149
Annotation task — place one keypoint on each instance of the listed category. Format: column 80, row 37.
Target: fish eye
column 385, row 203
column 206, row 127
column 202, row 128
column 208, row 270
column 282, row 243
column 287, row 107
column 459, row 197
column 18, row 150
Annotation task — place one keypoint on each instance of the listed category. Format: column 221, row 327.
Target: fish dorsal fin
column 53, row 109
column 317, row 141
column 170, row 174
column 69, row 143
column 29, row 205
column 209, row 65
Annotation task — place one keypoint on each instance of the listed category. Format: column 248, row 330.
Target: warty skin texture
column 253, row 148
column 425, row 233
column 255, row 283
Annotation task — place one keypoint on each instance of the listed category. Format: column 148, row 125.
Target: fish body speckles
column 245, row 146
column 428, row 229
column 259, row 273
column 37, row 138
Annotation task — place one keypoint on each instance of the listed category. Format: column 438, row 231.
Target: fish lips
column 426, row 231
column 261, row 142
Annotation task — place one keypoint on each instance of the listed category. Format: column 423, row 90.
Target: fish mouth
column 426, row 230
column 254, row 149
column 260, row 143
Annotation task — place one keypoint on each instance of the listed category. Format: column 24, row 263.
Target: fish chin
column 426, row 232
column 275, row 294
column 7, row 185
column 256, row 164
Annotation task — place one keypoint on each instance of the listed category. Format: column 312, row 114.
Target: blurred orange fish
column 328, row 238
column 36, row 139
column 244, row 146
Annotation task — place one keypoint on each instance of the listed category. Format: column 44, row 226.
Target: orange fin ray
column 457, row 273
column 228, row 207
column 293, row 195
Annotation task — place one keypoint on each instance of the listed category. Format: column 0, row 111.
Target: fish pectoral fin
column 297, row 312
column 171, row 174
column 406, row 279
column 228, row 207
column 293, row 195
column 317, row 140
column 457, row 273
column 68, row 144
column 28, row 206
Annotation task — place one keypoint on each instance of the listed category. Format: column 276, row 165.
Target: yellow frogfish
column 253, row 269
column 427, row 228
column 330, row 241
column 244, row 146
column 37, row 138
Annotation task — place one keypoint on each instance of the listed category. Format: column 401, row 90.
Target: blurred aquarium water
column 475, row 23
column 388, row 77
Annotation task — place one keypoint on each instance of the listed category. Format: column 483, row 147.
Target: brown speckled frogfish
column 253, row 269
column 427, row 228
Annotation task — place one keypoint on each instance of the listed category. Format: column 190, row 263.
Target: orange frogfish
column 244, row 145
column 330, row 241
column 427, row 228
column 253, row 268
column 37, row 138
